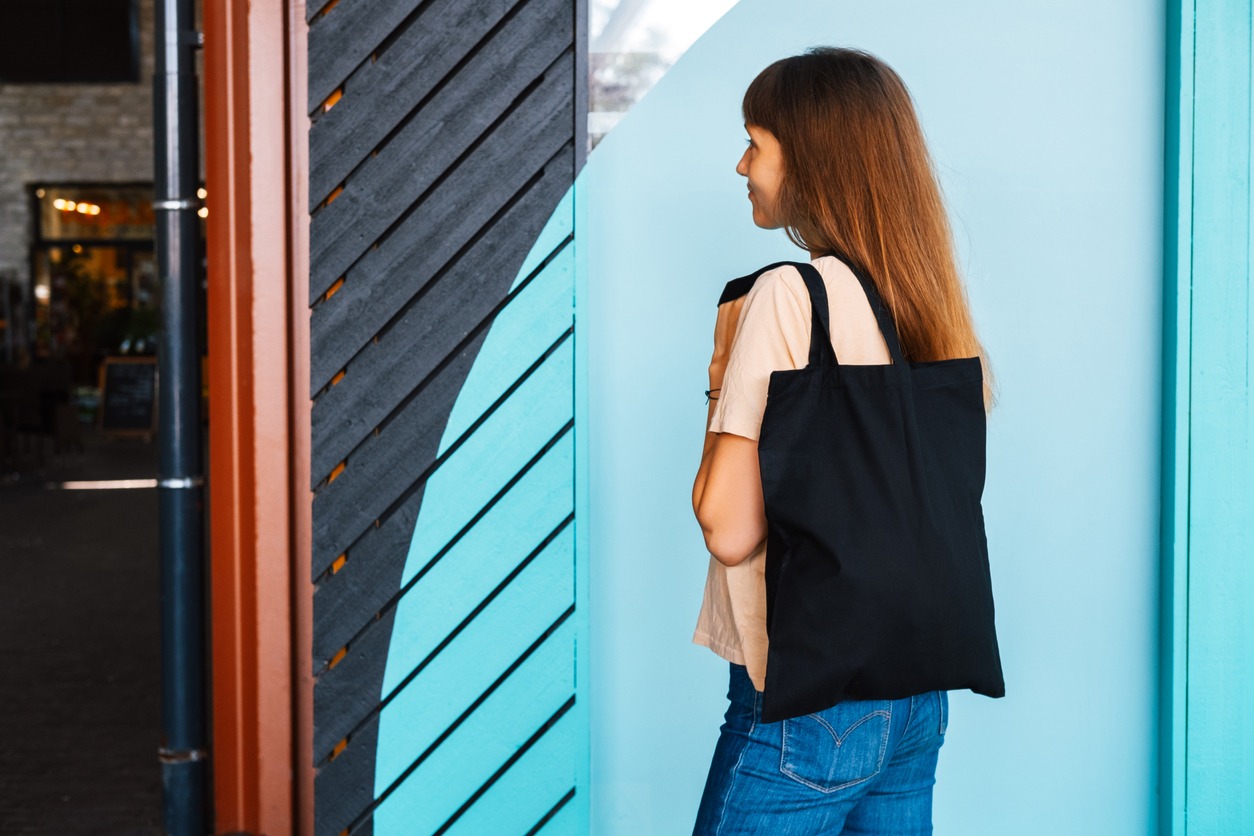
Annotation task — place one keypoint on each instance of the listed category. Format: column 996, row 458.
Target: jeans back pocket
column 839, row 747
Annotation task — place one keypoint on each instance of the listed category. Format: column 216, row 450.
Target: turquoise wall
column 1046, row 120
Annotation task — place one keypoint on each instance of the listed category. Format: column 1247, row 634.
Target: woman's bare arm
column 727, row 491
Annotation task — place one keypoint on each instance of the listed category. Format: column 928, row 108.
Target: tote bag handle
column 821, row 352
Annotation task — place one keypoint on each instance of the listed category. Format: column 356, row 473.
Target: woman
column 836, row 157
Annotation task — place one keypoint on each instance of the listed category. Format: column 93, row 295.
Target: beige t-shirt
column 773, row 333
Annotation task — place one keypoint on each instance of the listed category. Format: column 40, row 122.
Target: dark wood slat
column 380, row 94
column 313, row 8
column 347, row 602
column 345, row 37
column 429, row 234
column 344, row 328
column 349, row 692
column 386, row 465
column 429, row 145
column 345, row 786
column 383, row 468
column 516, row 148
column 380, row 563
column 427, row 332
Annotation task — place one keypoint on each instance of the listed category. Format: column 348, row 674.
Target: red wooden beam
column 257, row 373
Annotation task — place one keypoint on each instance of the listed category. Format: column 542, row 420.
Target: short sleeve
column 773, row 333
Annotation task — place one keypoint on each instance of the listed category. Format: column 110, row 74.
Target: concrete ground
column 80, row 715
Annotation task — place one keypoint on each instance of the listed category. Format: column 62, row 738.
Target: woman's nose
column 742, row 167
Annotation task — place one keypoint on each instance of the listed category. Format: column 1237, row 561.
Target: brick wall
column 70, row 132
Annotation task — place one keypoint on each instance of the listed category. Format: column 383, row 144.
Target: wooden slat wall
column 445, row 136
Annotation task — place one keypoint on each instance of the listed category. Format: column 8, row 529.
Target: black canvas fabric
column 877, row 577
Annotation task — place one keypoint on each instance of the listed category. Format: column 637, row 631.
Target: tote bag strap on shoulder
column 821, row 352
column 819, row 319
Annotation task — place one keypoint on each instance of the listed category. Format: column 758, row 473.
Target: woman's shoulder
column 785, row 278
column 835, row 271
column 779, row 285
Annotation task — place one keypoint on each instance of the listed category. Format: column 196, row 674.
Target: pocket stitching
column 879, row 763
column 944, row 711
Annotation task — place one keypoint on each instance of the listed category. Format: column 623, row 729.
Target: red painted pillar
column 256, row 166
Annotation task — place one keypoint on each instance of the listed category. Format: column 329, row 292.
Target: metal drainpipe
column 180, row 480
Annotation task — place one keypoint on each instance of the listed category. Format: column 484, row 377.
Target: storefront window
column 632, row 45
column 95, row 212
column 94, row 285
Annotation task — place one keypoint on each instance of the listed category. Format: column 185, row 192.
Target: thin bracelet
column 709, row 397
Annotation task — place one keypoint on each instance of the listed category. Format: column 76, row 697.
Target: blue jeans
column 859, row 767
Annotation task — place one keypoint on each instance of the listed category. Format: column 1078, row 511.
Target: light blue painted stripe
column 480, row 560
column 559, row 227
column 524, row 328
column 481, row 745
column 478, row 469
column 426, row 707
column 1219, row 789
column 530, row 788
column 569, row 821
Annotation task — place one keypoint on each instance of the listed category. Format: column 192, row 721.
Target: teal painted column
column 1177, row 271
column 1208, row 740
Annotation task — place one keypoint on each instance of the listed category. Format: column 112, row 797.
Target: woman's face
column 763, row 166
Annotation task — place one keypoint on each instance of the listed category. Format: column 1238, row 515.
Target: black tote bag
column 877, row 577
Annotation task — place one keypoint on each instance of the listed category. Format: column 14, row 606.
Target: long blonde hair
column 859, row 181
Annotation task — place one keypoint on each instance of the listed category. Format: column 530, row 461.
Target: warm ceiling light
column 95, row 210
column 39, row 192
column 42, row 293
column 201, row 193
column 70, row 206
column 203, row 211
column 59, row 203
column 83, row 208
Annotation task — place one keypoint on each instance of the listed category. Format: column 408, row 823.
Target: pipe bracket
column 174, row 204
column 181, row 482
column 176, row 756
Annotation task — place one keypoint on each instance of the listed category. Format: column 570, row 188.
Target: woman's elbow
column 728, row 550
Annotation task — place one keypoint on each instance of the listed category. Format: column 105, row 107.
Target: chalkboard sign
column 128, row 395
